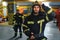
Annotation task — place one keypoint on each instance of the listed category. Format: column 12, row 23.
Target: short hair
column 34, row 6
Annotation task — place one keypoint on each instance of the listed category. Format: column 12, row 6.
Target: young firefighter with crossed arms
column 35, row 23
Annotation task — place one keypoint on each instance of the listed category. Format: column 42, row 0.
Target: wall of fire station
column 25, row 8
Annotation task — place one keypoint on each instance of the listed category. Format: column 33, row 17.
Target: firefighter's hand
column 40, row 3
column 32, row 36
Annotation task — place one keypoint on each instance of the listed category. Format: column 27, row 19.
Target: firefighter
column 17, row 23
column 35, row 23
column 58, row 18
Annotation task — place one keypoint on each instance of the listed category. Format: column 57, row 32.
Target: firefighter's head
column 36, row 8
column 17, row 11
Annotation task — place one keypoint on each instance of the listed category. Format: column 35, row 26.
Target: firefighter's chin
column 36, row 11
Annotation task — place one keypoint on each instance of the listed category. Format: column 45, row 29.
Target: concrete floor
column 51, row 32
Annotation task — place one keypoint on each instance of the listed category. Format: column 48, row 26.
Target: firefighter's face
column 17, row 11
column 36, row 9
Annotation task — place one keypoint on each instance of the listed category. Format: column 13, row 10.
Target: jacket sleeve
column 46, row 9
column 26, row 29
column 50, row 14
column 50, row 17
column 14, row 18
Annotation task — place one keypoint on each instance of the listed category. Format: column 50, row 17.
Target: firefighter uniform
column 18, row 23
column 58, row 18
column 49, row 12
column 36, row 24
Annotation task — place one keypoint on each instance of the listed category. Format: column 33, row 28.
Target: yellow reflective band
column 44, row 39
column 23, row 17
column 12, row 2
column 41, row 21
column 30, row 22
column 25, row 30
column 24, row 26
column 49, row 11
column 47, row 18
column 15, row 23
column 19, row 16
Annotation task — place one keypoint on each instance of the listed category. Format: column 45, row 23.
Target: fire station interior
column 6, row 26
